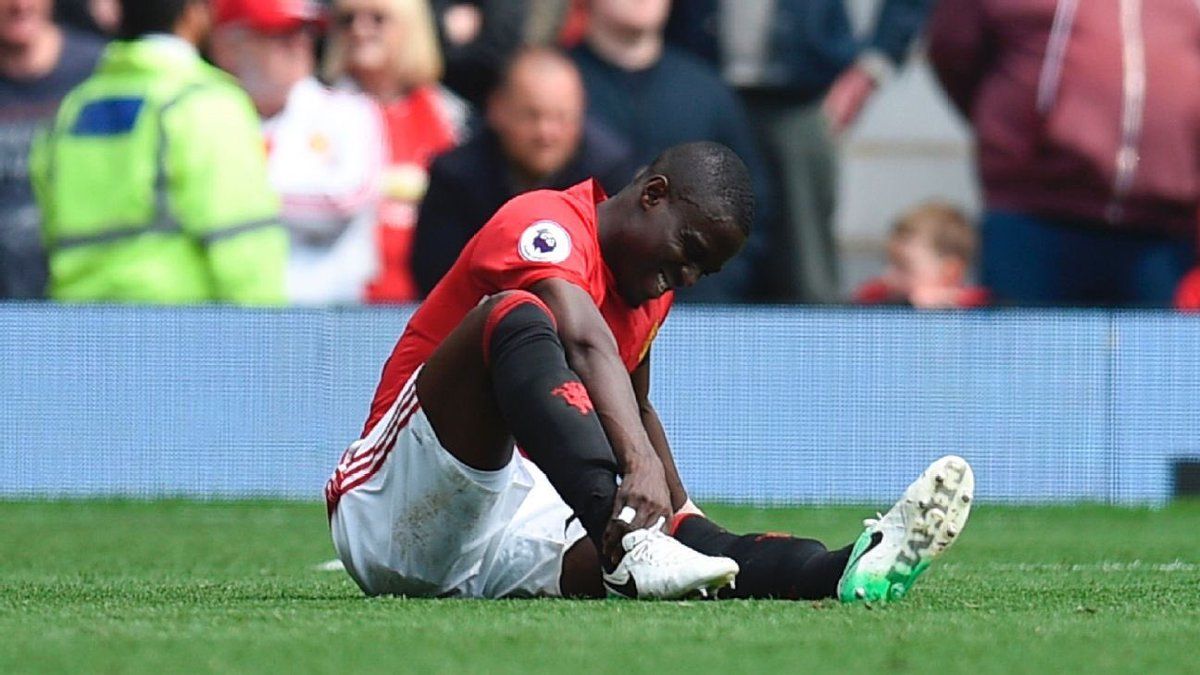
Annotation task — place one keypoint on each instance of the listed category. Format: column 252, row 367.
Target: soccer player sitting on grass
column 540, row 335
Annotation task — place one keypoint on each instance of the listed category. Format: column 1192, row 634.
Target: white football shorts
column 408, row 518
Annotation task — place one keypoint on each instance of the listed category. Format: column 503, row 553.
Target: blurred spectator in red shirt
column 536, row 137
column 389, row 50
column 930, row 252
column 1187, row 296
column 39, row 63
column 324, row 147
column 1087, row 121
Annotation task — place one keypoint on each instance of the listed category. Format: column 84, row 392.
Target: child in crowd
column 930, row 251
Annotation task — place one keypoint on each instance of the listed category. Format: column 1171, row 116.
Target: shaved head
column 682, row 218
column 711, row 178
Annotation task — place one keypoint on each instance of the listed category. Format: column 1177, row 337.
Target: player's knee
column 515, row 318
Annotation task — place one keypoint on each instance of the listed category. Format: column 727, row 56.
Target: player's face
column 674, row 247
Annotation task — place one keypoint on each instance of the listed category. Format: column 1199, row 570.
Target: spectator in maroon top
column 1087, row 119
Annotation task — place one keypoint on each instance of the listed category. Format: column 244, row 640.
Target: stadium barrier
column 763, row 405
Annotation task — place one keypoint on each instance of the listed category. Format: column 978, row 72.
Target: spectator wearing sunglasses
column 388, row 49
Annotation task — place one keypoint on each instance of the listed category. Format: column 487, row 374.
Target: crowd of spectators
column 151, row 180
column 132, row 138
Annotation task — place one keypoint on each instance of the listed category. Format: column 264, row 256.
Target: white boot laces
column 654, row 547
column 872, row 522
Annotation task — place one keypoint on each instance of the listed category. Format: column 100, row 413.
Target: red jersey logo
column 576, row 396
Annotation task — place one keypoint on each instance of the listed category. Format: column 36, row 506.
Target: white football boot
column 659, row 567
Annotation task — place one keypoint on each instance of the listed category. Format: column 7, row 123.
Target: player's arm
column 592, row 353
column 640, row 378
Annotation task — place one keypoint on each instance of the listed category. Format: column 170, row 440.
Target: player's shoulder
column 573, row 209
column 545, row 226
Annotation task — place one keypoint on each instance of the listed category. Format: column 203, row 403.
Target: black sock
column 550, row 415
column 772, row 565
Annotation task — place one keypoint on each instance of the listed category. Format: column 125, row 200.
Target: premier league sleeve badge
column 545, row 241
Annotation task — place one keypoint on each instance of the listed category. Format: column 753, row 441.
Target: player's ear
column 654, row 190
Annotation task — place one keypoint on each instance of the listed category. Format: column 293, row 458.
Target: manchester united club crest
column 575, row 395
column 545, row 241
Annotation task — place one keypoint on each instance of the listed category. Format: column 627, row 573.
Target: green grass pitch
column 233, row 587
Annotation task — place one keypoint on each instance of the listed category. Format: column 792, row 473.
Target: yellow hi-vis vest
column 153, row 186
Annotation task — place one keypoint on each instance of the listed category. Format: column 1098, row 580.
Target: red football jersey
column 535, row 236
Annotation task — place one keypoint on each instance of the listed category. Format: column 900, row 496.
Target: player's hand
column 643, row 489
column 847, row 98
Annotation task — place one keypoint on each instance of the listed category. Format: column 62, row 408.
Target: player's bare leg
column 581, row 576
column 455, row 390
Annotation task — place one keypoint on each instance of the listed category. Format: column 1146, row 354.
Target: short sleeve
column 536, row 236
